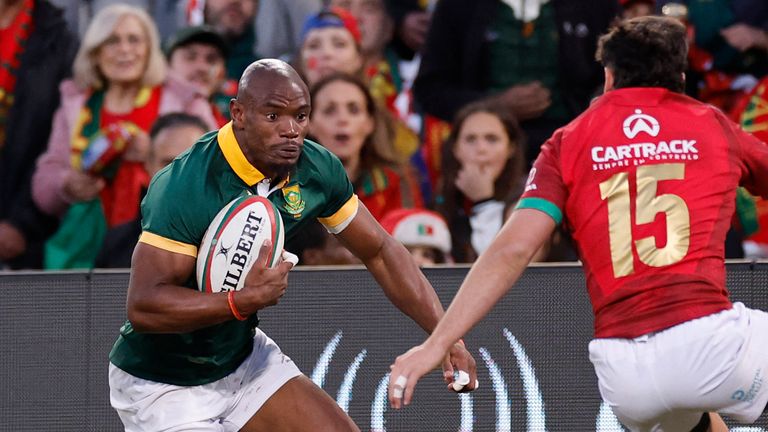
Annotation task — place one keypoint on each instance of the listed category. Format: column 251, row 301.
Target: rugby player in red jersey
column 646, row 181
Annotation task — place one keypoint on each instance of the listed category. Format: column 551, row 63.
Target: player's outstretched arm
column 405, row 285
column 158, row 303
column 488, row 280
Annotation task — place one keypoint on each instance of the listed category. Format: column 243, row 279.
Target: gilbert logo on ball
column 232, row 242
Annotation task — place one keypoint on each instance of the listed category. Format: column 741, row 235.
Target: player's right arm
column 494, row 273
column 159, row 303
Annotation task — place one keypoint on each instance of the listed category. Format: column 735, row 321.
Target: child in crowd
column 423, row 232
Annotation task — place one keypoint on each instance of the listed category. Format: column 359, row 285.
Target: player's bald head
column 266, row 74
column 270, row 116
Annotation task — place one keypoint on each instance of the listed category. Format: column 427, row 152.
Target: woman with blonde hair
column 92, row 173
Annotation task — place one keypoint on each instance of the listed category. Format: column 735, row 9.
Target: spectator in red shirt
column 93, row 171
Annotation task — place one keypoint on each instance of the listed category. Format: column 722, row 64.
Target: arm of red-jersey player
column 490, row 278
column 751, row 154
column 755, row 159
column 392, row 266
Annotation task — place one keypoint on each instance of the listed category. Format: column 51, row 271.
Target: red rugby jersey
column 647, row 179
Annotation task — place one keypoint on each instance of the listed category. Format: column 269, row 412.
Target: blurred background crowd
column 436, row 108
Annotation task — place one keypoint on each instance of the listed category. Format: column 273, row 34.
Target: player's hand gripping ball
column 232, row 242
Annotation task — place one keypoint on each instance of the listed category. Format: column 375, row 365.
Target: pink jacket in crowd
column 53, row 166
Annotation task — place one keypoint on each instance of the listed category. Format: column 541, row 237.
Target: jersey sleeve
column 545, row 189
column 754, row 157
column 166, row 222
column 341, row 202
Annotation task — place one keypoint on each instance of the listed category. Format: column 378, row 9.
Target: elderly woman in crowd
column 347, row 121
column 483, row 174
column 92, row 172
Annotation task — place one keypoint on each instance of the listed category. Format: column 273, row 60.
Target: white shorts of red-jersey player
column 146, row 406
column 664, row 381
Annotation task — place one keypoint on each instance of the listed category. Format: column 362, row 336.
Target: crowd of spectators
column 436, row 108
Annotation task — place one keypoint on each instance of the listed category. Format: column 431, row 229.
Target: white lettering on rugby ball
column 232, row 242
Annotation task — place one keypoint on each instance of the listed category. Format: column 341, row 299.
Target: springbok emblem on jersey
column 639, row 122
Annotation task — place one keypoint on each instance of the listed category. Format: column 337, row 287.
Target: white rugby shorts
column 664, row 381
column 222, row 406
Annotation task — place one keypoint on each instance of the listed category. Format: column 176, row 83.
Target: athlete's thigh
column 147, row 406
column 742, row 396
column 300, row 405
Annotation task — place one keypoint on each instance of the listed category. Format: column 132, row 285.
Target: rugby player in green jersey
column 188, row 360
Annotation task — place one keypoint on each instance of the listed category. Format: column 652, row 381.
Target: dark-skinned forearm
column 405, row 285
column 176, row 309
column 157, row 303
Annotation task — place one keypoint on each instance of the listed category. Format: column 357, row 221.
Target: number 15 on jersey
column 616, row 191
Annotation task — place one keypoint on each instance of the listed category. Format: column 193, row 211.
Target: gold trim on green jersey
column 339, row 220
column 237, row 160
column 168, row 244
column 235, row 157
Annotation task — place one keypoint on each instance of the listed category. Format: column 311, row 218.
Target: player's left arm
column 392, row 266
column 751, row 154
column 755, row 173
column 404, row 284
column 490, row 277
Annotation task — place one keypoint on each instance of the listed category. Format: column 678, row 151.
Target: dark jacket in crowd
column 398, row 10
column 45, row 62
column 454, row 68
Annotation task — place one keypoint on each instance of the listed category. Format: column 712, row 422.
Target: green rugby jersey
column 181, row 202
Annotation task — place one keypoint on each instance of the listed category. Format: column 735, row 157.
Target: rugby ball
column 232, row 242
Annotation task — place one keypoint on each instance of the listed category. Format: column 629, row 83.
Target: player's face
column 273, row 119
column 341, row 121
column 483, row 141
column 200, row 64
column 328, row 50
column 122, row 58
column 376, row 26
column 169, row 143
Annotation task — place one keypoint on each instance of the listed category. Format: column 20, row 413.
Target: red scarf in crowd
column 14, row 38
